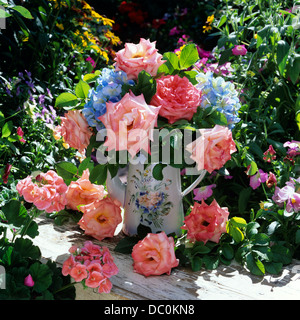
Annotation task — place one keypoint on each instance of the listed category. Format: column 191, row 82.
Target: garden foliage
column 51, row 57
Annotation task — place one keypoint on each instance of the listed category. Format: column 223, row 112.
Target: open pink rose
column 212, row 149
column 206, row 222
column 129, row 124
column 137, row 57
column 101, row 218
column 154, row 255
column 177, row 96
column 83, row 192
column 74, row 130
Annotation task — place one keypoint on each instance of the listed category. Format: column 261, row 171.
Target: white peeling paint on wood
column 225, row 283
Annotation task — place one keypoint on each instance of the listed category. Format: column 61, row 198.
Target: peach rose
column 83, row 192
column 74, row 130
column 101, row 218
column 137, row 57
column 206, row 222
column 129, row 124
column 154, row 255
column 212, row 149
column 177, row 96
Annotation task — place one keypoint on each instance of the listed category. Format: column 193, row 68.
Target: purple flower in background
column 204, row 192
column 257, row 179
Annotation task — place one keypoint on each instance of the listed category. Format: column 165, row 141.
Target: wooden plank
column 226, row 282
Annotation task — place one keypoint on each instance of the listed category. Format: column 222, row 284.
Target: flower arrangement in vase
column 156, row 113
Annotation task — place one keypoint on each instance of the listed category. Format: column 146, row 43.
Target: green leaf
column 282, row 55
column 26, row 248
column 7, row 129
column 254, row 265
column 41, row 275
column 281, row 254
column 260, row 239
column 200, row 248
column 99, row 174
column 90, row 77
column 126, row 244
column 171, row 63
column 23, row 11
column 244, row 197
column 143, row 230
column 294, row 68
column 158, row 171
column 211, row 262
column 227, row 251
column 196, row 263
column 222, row 21
column 188, row 56
column 66, row 170
column 82, row 89
column 146, row 85
column 15, row 213
column 273, row 267
column 225, row 55
column 66, row 99
column 87, row 163
column 238, row 222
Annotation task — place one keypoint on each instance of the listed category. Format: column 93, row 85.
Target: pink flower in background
column 178, row 98
column 204, row 192
column 129, row 123
column 212, row 149
column 105, row 286
column 20, row 133
column 91, row 61
column 154, row 255
column 174, row 31
column 6, row 173
column 269, row 155
column 83, row 192
column 137, row 57
column 74, row 130
column 239, row 50
column 28, row 281
column 293, row 148
column 101, row 218
column 271, row 181
column 288, row 195
column 257, row 179
column 206, row 222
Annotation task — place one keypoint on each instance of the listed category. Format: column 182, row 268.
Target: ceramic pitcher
column 153, row 203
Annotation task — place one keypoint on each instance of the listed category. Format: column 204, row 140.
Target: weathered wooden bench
column 225, row 283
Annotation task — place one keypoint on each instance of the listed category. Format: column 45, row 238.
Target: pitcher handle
column 194, row 184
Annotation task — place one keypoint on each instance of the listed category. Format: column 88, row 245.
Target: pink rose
column 129, row 124
column 212, row 149
column 239, row 50
column 83, row 192
column 137, row 57
column 178, row 98
column 101, row 218
column 206, row 222
column 154, row 255
column 74, row 130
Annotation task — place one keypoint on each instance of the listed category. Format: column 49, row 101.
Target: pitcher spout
column 116, row 188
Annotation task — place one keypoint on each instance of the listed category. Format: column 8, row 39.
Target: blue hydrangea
column 108, row 87
column 220, row 94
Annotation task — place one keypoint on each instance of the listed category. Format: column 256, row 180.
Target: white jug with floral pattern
column 154, row 203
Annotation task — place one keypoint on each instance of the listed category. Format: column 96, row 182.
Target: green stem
column 66, row 287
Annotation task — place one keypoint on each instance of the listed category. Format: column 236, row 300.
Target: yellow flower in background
column 60, row 26
column 255, row 36
column 210, row 19
column 86, row 6
column 206, row 28
column 112, row 37
column 178, row 52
